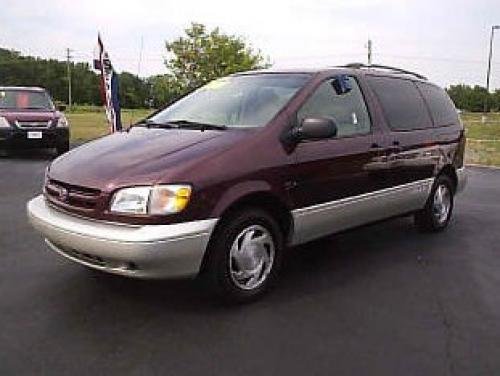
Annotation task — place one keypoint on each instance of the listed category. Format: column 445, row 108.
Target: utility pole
column 488, row 73
column 493, row 28
column 369, row 47
column 68, row 66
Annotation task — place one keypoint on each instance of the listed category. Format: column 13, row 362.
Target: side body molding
column 327, row 218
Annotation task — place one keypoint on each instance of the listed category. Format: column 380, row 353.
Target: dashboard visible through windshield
column 237, row 101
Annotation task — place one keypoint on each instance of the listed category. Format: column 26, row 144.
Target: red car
column 222, row 182
column 29, row 119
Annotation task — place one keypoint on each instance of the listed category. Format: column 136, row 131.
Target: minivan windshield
column 25, row 100
column 250, row 100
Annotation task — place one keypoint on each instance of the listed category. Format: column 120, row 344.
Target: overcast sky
column 447, row 40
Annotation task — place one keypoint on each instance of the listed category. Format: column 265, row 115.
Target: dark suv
column 221, row 182
column 29, row 119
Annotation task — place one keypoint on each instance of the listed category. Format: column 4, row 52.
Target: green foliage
column 473, row 99
column 164, row 90
column 134, row 91
column 18, row 70
column 196, row 58
column 202, row 56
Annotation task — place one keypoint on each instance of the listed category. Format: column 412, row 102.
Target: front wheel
column 244, row 256
column 437, row 211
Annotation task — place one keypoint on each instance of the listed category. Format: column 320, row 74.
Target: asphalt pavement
column 380, row 300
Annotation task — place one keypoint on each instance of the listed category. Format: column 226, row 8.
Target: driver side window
column 348, row 110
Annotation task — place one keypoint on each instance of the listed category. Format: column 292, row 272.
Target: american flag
column 109, row 87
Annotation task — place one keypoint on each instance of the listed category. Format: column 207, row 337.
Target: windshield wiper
column 196, row 125
column 152, row 124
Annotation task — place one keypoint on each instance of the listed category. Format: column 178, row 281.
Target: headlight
column 62, row 122
column 4, row 123
column 158, row 200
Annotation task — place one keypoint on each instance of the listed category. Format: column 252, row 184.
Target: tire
column 62, row 148
column 240, row 273
column 439, row 206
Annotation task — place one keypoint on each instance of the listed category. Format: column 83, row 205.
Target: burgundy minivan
column 29, row 119
column 221, row 182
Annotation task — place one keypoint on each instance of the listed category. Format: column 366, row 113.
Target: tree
column 495, row 100
column 164, row 90
column 19, row 70
column 469, row 98
column 134, row 91
column 202, row 56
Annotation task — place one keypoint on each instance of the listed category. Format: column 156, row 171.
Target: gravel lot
column 380, row 300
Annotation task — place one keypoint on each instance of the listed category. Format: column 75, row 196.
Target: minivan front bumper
column 150, row 251
column 18, row 138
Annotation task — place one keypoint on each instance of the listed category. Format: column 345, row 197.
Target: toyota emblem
column 63, row 194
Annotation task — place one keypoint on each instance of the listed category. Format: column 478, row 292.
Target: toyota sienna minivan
column 219, row 184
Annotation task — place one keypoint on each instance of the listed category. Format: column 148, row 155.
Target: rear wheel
column 439, row 207
column 244, row 256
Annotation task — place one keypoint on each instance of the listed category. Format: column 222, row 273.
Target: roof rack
column 393, row 69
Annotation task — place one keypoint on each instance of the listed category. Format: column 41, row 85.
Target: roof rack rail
column 393, row 69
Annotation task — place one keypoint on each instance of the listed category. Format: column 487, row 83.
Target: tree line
column 19, row 70
column 195, row 58
column 474, row 98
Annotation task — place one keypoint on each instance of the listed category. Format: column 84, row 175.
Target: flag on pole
column 109, row 87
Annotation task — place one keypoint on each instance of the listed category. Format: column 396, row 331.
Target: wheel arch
column 449, row 171
column 264, row 200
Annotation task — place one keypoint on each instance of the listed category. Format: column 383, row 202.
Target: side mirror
column 341, row 84
column 315, row 129
column 61, row 107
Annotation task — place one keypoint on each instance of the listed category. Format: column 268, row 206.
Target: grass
column 483, row 139
column 483, row 152
column 87, row 125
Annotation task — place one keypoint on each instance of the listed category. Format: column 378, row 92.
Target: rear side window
column 402, row 103
column 440, row 105
column 348, row 110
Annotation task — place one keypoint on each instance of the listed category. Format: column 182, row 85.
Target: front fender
column 242, row 190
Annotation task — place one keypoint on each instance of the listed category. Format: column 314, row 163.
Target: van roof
column 378, row 70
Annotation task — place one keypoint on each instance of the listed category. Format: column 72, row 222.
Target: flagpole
column 109, row 87
column 132, row 118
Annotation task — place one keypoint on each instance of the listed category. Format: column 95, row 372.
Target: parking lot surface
column 380, row 300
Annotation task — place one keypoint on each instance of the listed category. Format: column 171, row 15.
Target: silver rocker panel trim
column 327, row 218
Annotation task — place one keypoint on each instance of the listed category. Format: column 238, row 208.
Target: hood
column 138, row 156
column 29, row 115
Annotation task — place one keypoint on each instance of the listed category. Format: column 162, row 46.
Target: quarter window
column 403, row 106
column 440, row 105
column 348, row 110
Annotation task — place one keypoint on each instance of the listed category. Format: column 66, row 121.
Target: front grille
column 33, row 124
column 93, row 260
column 68, row 195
